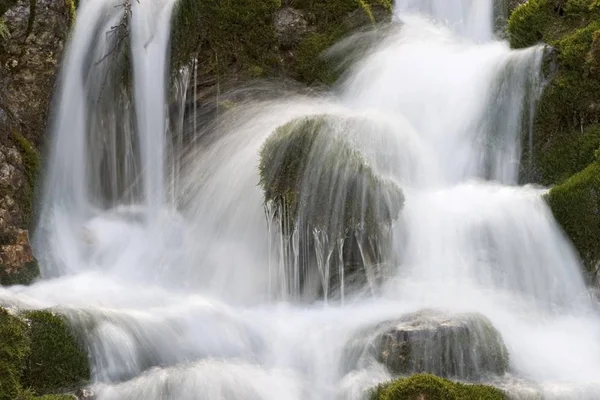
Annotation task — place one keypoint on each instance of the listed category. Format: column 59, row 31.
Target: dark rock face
column 30, row 50
column 290, row 26
column 463, row 346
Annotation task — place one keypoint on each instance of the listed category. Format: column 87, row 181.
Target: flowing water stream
column 158, row 249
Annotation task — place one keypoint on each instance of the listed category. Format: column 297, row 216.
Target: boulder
column 324, row 192
column 459, row 346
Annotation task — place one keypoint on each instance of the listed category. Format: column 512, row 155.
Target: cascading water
column 199, row 304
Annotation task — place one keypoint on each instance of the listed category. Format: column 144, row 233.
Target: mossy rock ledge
column 459, row 346
column 315, row 183
column 267, row 38
column 430, row 387
column 566, row 135
column 566, row 128
column 576, row 206
column 39, row 356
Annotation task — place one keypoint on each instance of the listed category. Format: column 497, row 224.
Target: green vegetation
column 38, row 355
column 567, row 124
column 56, row 360
column 429, row 387
column 330, row 20
column 239, row 36
column 31, row 163
column 4, row 32
column 576, row 206
column 225, row 33
column 14, row 350
column 568, row 110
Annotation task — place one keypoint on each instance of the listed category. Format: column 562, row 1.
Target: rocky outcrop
column 463, row 346
column 31, row 44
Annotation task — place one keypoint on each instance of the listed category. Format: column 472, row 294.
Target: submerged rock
column 428, row 387
column 461, row 346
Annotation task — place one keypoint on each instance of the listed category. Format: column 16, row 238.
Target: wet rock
column 290, row 26
column 347, row 235
column 29, row 57
column 461, row 346
column 85, row 394
column 14, row 256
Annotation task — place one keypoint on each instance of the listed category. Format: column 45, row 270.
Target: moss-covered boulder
column 576, row 206
column 429, row 387
column 39, row 356
column 463, row 346
column 566, row 123
column 57, row 361
column 322, row 189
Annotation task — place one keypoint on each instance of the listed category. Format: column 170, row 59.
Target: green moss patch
column 566, row 123
column 56, row 361
column 14, row 350
column 429, row 387
column 31, row 163
column 225, row 33
column 329, row 18
column 576, row 206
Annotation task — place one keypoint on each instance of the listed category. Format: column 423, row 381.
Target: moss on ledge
column 429, row 387
column 14, row 350
column 56, row 361
column 240, row 37
column 38, row 356
column 31, row 163
column 576, row 206
column 330, row 19
column 568, row 114
column 225, row 33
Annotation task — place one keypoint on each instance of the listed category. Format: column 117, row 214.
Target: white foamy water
column 162, row 256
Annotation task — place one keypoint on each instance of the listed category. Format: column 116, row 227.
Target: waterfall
column 184, row 284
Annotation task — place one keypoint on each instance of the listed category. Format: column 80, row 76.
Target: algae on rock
column 429, row 387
